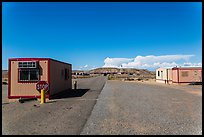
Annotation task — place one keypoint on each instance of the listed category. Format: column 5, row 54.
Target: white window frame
column 27, row 64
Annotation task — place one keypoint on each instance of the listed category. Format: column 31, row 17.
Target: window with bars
column 158, row 74
column 27, row 64
column 28, row 74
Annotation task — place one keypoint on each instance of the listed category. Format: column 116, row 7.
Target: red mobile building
column 186, row 74
column 24, row 73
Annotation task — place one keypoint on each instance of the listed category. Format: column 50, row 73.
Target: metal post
column 42, row 96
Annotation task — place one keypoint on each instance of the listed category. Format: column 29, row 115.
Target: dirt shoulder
column 193, row 89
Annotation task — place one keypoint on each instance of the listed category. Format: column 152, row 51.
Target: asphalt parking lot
column 65, row 115
column 129, row 108
column 102, row 107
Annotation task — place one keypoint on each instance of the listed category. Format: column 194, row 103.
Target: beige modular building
column 24, row 73
column 179, row 75
column 164, row 75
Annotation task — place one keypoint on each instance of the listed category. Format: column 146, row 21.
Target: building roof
column 180, row 67
column 188, row 67
column 165, row 68
column 29, row 59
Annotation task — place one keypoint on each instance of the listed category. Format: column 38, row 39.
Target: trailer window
column 195, row 72
column 27, row 64
column 28, row 74
column 65, row 75
column 23, row 75
column 158, row 74
column 184, row 74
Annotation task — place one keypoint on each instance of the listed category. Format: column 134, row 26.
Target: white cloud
column 115, row 62
column 166, row 58
column 149, row 62
column 87, row 67
column 192, row 64
column 94, row 67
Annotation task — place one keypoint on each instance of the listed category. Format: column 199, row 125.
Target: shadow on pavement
column 70, row 93
column 195, row 83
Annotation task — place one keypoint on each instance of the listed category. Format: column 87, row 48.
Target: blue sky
column 104, row 34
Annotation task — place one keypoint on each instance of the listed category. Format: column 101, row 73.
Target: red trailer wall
column 186, row 75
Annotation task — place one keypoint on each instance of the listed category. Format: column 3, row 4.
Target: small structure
column 186, row 74
column 24, row 73
column 178, row 75
column 164, row 75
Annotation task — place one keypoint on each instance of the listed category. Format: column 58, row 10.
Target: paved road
column 127, row 108
column 66, row 114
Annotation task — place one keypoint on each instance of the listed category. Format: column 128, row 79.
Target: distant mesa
column 130, row 71
column 107, row 70
column 4, row 77
column 4, row 73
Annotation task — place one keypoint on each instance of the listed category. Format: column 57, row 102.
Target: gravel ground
column 63, row 116
column 4, row 93
column 127, row 108
column 194, row 89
